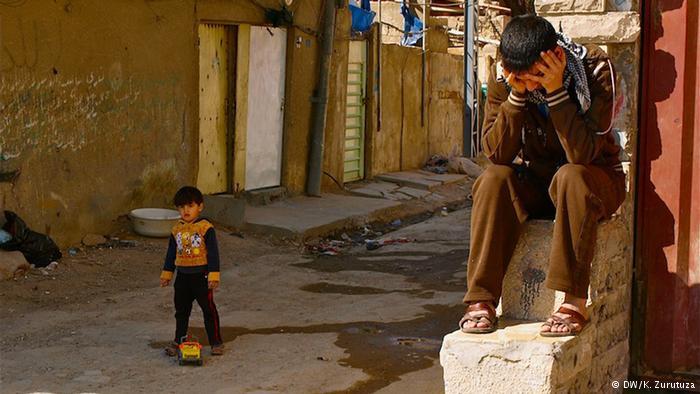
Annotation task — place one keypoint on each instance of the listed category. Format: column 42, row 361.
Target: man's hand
column 213, row 284
column 552, row 67
column 515, row 82
column 164, row 282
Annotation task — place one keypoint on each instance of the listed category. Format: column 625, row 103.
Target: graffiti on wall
column 71, row 112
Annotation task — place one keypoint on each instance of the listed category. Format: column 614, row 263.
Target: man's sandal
column 574, row 318
column 171, row 349
column 490, row 319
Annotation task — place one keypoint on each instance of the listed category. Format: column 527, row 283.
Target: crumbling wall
column 99, row 105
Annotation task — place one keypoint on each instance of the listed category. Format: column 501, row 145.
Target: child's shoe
column 171, row 349
column 217, row 350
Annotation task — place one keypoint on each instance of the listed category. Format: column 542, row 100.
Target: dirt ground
column 360, row 322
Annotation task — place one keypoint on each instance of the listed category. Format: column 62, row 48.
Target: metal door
column 266, row 81
column 666, row 328
column 355, row 113
column 213, row 170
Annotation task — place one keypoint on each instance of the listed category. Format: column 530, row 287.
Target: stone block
column 525, row 296
column 515, row 359
column 612, row 27
column 548, row 7
column 12, row 264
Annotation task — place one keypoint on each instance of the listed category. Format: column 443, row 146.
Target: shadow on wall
column 668, row 318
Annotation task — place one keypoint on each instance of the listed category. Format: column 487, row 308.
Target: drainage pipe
column 320, row 101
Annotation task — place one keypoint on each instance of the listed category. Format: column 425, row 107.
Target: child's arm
column 212, row 258
column 169, row 266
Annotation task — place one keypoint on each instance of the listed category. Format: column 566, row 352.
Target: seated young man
column 547, row 132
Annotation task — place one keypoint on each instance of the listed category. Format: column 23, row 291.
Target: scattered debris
column 321, row 358
column 437, row 164
column 396, row 223
column 444, row 212
column 376, row 244
column 73, row 251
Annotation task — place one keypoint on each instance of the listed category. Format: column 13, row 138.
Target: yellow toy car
column 189, row 351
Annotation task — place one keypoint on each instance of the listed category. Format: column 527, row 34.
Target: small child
column 194, row 252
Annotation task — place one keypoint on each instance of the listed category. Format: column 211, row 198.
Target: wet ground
column 361, row 322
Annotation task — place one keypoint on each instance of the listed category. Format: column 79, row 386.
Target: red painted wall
column 668, row 203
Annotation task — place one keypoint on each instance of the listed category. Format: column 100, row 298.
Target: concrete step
column 420, row 179
column 302, row 217
column 516, row 359
column 265, row 196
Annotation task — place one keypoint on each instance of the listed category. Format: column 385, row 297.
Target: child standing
column 194, row 252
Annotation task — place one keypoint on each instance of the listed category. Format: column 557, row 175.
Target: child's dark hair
column 522, row 41
column 187, row 195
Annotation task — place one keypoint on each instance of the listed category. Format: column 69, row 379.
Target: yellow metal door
column 213, row 117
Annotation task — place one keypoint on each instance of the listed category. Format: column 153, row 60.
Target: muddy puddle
column 384, row 351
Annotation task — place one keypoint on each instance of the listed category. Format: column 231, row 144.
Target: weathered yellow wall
column 446, row 103
column 99, row 105
column 403, row 141
column 334, row 137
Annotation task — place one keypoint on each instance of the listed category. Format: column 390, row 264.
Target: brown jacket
column 514, row 127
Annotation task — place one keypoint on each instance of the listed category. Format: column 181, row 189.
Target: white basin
column 154, row 222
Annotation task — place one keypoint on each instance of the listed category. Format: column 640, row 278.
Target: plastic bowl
column 154, row 222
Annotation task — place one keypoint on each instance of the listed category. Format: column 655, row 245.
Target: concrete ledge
column 302, row 218
column 608, row 28
column 548, row 7
column 225, row 209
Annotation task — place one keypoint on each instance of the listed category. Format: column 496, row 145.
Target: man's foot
column 569, row 319
column 480, row 318
column 171, row 349
column 217, row 350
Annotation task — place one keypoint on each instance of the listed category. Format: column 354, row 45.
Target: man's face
column 525, row 77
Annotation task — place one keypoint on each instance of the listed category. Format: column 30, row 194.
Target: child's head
column 523, row 40
column 189, row 202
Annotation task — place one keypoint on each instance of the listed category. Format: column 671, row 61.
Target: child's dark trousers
column 190, row 287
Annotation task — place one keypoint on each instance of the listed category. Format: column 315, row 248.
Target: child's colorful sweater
column 192, row 249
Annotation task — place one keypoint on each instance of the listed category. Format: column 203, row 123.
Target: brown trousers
column 504, row 197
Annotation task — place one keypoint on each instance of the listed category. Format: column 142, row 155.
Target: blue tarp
column 362, row 17
column 412, row 26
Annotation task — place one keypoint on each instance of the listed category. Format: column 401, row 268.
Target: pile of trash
column 38, row 249
column 454, row 164
column 23, row 248
column 367, row 237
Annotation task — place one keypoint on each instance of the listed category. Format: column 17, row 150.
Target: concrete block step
column 516, row 359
